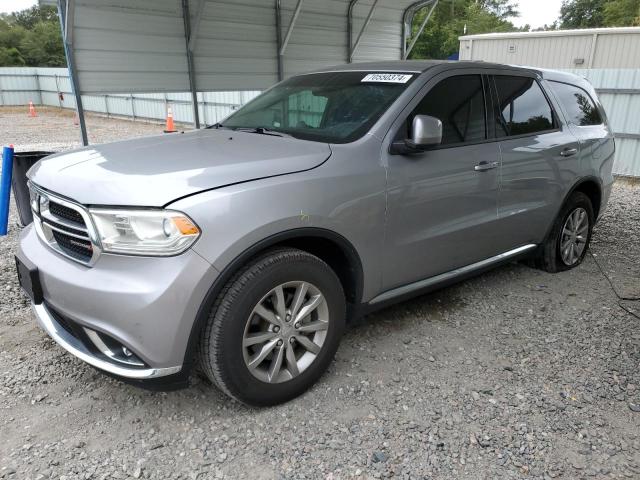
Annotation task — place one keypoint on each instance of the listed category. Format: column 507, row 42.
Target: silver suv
column 245, row 247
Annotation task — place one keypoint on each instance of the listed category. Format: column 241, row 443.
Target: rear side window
column 580, row 108
column 459, row 103
column 523, row 109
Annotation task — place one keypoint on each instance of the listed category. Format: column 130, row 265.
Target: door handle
column 568, row 152
column 484, row 166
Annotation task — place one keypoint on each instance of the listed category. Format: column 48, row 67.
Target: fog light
column 113, row 349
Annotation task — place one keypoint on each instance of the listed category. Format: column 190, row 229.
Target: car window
column 333, row 107
column 522, row 107
column 458, row 102
column 306, row 109
column 578, row 104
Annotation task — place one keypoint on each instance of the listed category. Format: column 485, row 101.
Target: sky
column 534, row 12
column 8, row 6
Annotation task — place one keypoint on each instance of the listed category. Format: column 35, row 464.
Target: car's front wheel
column 274, row 328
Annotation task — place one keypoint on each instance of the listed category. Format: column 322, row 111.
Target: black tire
column 549, row 256
column 221, row 344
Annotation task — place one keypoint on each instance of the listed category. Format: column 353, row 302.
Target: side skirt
column 428, row 284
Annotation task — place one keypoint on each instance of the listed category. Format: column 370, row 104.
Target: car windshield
column 335, row 107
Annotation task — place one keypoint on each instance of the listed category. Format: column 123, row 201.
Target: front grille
column 61, row 224
column 65, row 213
column 74, row 247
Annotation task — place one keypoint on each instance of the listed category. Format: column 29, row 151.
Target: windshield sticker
column 387, row 78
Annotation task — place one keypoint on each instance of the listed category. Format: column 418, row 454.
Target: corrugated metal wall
column 18, row 86
column 139, row 46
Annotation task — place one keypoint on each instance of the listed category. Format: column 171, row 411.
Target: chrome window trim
column 42, row 223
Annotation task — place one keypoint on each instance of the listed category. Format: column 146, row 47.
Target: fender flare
column 225, row 275
column 574, row 187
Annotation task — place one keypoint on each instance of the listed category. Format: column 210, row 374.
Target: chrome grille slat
column 47, row 216
column 67, row 229
column 66, row 232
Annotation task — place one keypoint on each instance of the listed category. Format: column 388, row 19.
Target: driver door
column 442, row 203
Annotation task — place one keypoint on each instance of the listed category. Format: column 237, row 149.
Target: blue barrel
column 5, row 188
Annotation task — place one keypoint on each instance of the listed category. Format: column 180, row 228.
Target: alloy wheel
column 285, row 332
column 573, row 239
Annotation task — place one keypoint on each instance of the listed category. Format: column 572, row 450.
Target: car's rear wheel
column 274, row 328
column 568, row 242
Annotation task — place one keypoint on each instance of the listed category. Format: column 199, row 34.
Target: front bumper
column 76, row 347
column 147, row 305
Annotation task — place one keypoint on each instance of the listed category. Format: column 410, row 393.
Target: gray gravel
column 54, row 130
column 513, row 374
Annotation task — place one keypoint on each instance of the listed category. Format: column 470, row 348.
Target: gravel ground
column 53, row 129
column 514, row 374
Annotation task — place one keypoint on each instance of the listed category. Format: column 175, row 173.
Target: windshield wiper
column 262, row 131
column 216, row 126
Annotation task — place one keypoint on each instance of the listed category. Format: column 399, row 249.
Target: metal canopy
column 127, row 46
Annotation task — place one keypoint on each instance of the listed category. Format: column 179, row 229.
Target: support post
column 58, row 90
column 280, row 57
column 407, row 22
column 5, row 188
column 420, row 30
column 65, row 12
column 296, row 14
column 192, row 80
column 362, row 30
column 352, row 5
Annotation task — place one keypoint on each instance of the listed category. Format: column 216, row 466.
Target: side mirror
column 426, row 131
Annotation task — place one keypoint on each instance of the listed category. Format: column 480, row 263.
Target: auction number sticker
column 387, row 78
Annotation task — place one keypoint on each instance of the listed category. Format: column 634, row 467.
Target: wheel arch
column 338, row 252
column 591, row 186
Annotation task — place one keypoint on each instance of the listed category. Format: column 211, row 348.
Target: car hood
column 154, row 171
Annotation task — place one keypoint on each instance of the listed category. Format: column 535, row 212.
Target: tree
column 622, row 13
column 31, row 37
column 10, row 57
column 453, row 18
column 582, row 13
column 599, row 13
column 28, row 18
column 42, row 46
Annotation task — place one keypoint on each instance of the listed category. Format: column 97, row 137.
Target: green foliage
column 454, row 18
column 28, row 18
column 622, row 13
column 582, row 14
column 599, row 13
column 31, row 38
column 10, row 57
column 42, row 46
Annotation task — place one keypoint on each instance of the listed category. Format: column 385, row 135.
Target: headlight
column 144, row 232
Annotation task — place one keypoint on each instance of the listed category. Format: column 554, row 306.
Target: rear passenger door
column 539, row 156
column 585, row 119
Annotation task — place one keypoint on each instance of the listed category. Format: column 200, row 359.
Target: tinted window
column 459, row 103
column 578, row 104
column 334, row 107
column 522, row 107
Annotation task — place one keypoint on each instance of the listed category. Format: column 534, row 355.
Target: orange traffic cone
column 170, row 127
column 32, row 110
